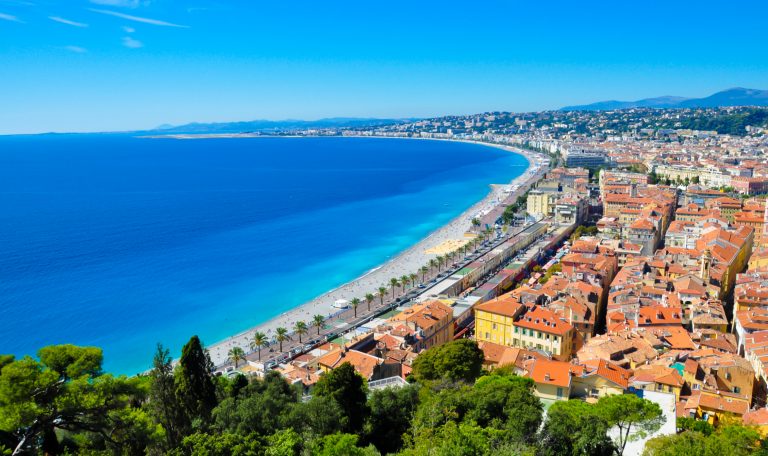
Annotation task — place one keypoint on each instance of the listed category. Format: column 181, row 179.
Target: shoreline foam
column 405, row 262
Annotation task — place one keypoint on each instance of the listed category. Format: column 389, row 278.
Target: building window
column 538, row 334
column 736, row 389
column 517, row 330
column 559, row 393
column 494, row 326
column 487, row 335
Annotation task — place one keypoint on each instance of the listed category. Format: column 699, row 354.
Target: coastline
column 406, row 262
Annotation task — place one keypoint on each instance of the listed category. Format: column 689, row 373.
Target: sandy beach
column 409, row 261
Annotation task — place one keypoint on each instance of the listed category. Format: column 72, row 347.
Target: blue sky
column 104, row 65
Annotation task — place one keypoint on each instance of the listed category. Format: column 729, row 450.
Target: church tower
column 706, row 265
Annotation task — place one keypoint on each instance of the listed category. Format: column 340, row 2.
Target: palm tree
column 259, row 340
column 382, row 294
column 440, row 259
column 413, row 278
column 300, row 328
column 405, row 280
column 236, row 354
column 369, row 299
column 432, row 263
column 394, row 283
column 281, row 336
column 355, row 302
column 318, row 320
column 424, row 271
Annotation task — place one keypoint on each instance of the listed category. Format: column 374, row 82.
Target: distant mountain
column 732, row 97
column 276, row 125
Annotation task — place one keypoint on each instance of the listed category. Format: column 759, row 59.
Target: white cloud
column 67, row 21
column 127, row 29
column 131, row 43
column 8, row 17
column 136, row 18
column 76, row 49
column 121, row 3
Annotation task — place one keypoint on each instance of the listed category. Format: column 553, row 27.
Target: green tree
column 300, row 328
column 258, row 341
column 318, row 321
column 438, row 406
column 404, row 281
column 634, row 417
column 195, row 390
column 261, row 407
column 452, row 439
column 355, row 302
column 319, row 416
column 736, row 440
column 391, row 411
column 575, row 428
column 424, row 270
column 369, row 297
column 65, row 391
column 345, row 386
column 201, row 444
column 236, row 354
column 163, row 404
column 382, row 294
column 692, row 424
column 459, row 360
column 286, row 442
column 393, row 282
column 341, row 445
column 440, row 260
column 684, row 444
column 413, row 278
column 506, row 402
column 6, row 359
column 281, row 335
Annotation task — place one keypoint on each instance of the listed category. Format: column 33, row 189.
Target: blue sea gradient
column 122, row 242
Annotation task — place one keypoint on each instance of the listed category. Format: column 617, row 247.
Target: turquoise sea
column 123, row 242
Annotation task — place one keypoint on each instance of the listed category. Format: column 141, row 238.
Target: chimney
column 546, row 377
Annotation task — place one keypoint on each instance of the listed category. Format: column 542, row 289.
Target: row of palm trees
column 261, row 340
column 300, row 328
column 437, row 262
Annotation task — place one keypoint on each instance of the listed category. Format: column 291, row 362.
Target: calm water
column 123, row 242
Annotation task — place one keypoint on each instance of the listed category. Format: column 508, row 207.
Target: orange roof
column 557, row 373
column 506, row 305
column 657, row 315
column 757, row 417
column 723, row 402
column 362, row 362
column 543, row 320
column 501, row 355
column 613, row 373
column 428, row 314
